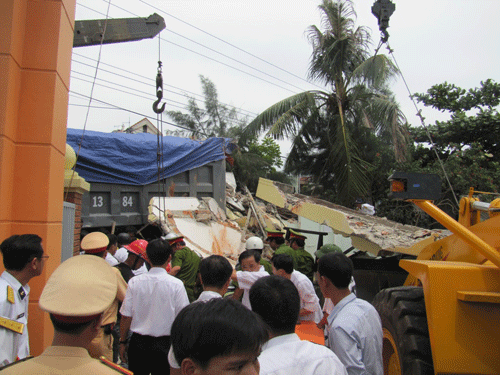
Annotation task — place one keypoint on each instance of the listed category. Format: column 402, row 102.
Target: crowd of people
column 157, row 308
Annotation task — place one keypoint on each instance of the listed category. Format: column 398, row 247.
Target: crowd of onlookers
column 157, row 307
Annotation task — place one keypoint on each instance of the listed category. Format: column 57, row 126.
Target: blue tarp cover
column 130, row 159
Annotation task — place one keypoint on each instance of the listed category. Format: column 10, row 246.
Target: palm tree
column 214, row 120
column 329, row 129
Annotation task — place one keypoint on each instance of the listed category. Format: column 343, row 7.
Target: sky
column 256, row 53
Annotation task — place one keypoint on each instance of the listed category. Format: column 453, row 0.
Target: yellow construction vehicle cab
column 445, row 320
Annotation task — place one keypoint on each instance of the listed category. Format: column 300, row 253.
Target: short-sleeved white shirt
column 245, row 281
column 308, row 297
column 153, row 300
column 121, row 255
column 207, row 295
column 13, row 345
column 288, row 355
column 112, row 261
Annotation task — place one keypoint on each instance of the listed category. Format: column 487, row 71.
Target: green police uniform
column 267, row 265
column 305, row 262
column 284, row 249
column 189, row 263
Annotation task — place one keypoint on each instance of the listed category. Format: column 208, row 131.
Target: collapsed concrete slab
column 202, row 222
column 367, row 233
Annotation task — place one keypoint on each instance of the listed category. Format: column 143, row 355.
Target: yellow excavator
column 445, row 320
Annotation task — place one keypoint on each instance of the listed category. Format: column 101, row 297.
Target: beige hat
column 81, row 287
column 95, row 242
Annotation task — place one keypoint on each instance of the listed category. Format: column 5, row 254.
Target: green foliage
column 335, row 133
column 253, row 158
column 258, row 159
column 268, row 150
column 214, row 120
column 467, row 144
column 448, row 97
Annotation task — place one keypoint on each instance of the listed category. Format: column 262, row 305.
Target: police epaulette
column 114, row 366
column 16, row 362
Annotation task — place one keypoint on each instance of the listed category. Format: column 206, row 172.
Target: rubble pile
column 209, row 229
column 368, row 233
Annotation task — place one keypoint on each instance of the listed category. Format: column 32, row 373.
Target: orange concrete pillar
column 35, row 57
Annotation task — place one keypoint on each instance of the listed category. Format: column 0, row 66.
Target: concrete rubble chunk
column 202, row 222
column 367, row 233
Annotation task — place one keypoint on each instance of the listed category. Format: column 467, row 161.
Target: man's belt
column 12, row 325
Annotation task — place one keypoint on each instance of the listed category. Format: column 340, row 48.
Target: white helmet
column 170, row 236
column 254, row 243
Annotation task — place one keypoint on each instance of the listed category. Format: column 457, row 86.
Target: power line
column 419, row 114
column 149, row 97
column 241, row 112
column 230, row 58
column 230, row 44
column 222, row 54
column 229, row 66
column 135, row 112
column 222, row 63
column 184, row 92
column 93, row 106
column 90, row 98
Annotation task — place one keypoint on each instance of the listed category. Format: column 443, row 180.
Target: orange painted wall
column 35, row 57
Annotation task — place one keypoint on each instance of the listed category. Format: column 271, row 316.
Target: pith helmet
column 95, row 242
column 80, row 289
column 327, row 248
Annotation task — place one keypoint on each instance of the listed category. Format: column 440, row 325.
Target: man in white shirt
column 217, row 337
column 354, row 326
column 251, row 271
column 277, row 301
column 121, row 254
column 215, row 272
column 310, row 308
column 23, row 259
column 151, row 304
column 111, row 250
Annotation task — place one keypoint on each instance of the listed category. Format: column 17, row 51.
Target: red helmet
column 138, row 247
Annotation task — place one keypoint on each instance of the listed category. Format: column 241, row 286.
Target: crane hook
column 159, row 91
column 383, row 9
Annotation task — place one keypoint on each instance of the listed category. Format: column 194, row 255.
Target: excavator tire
column 406, row 344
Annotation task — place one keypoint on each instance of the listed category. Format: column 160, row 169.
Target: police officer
column 305, row 261
column 95, row 243
column 185, row 263
column 76, row 296
column 23, row 259
column 276, row 239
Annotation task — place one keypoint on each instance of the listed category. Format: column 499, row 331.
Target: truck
column 437, row 291
column 126, row 171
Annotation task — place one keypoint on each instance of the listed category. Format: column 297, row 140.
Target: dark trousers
column 116, row 342
column 148, row 355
